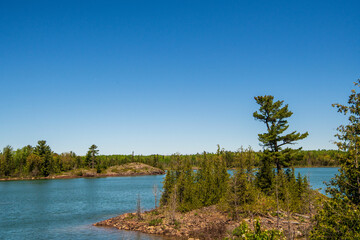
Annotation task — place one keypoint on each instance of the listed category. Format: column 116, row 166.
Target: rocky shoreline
column 204, row 223
column 126, row 170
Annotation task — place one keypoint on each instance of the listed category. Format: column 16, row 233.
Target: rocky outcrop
column 204, row 223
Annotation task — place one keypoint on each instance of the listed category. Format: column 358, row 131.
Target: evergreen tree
column 8, row 160
column 195, row 189
column 168, row 186
column 221, row 174
column 206, row 181
column 91, row 156
column 265, row 175
column 242, row 185
column 170, row 180
column 275, row 115
column 44, row 152
column 212, row 179
column 186, row 188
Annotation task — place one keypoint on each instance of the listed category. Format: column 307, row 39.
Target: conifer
column 275, row 115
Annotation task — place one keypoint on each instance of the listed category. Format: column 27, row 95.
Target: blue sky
column 172, row 76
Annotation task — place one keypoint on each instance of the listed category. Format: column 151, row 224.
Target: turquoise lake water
column 67, row 208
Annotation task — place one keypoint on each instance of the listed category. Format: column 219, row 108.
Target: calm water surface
column 66, row 208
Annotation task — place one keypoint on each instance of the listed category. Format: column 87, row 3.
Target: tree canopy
column 274, row 114
column 91, row 155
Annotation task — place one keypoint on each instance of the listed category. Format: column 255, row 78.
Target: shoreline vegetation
column 125, row 170
column 211, row 204
column 40, row 162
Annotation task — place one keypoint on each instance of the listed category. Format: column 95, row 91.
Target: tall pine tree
column 44, row 152
column 275, row 116
column 91, row 156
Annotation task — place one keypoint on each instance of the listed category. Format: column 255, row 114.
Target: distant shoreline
column 126, row 170
column 153, row 171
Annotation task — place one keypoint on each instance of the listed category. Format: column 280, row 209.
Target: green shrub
column 177, row 224
column 339, row 219
column 155, row 222
column 243, row 232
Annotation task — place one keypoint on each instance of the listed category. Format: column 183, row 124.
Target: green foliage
column 155, row 222
column 186, row 188
column 43, row 151
column 212, row 179
column 339, row 219
column 241, row 192
column 91, row 157
column 274, row 115
column 317, row 158
column 7, row 160
column 194, row 189
column 293, row 191
column 340, row 215
column 24, row 165
column 244, row 232
column 287, row 190
column 265, row 176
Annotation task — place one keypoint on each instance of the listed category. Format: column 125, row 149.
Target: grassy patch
column 155, row 222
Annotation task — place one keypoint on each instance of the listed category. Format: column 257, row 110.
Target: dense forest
column 42, row 161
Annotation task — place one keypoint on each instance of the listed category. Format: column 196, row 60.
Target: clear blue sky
column 171, row 76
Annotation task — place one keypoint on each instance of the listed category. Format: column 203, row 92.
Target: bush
column 243, row 232
column 339, row 219
column 155, row 222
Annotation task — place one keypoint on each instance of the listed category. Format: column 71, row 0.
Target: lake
column 66, row 208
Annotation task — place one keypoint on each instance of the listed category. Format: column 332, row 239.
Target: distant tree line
column 42, row 161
